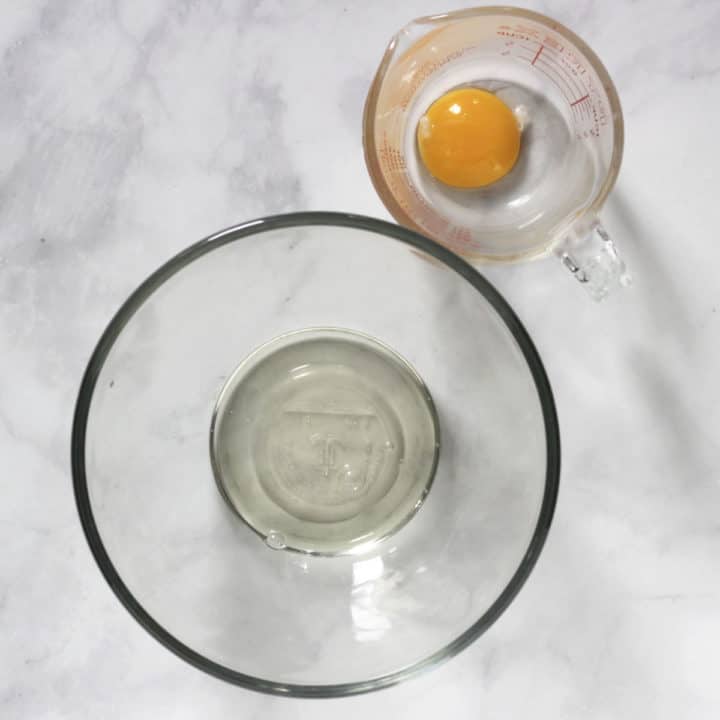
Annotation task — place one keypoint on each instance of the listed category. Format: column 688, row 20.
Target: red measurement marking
column 537, row 54
column 553, row 71
column 577, row 102
column 553, row 81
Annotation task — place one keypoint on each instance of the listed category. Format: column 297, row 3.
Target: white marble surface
column 130, row 128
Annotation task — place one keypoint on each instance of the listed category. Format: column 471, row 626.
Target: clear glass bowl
column 438, row 398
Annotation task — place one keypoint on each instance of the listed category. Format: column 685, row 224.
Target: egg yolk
column 468, row 138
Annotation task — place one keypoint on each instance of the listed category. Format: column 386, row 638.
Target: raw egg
column 468, row 138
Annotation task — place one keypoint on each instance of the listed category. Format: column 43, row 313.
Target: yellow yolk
column 468, row 138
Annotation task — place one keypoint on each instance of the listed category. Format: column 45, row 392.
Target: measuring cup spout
column 590, row 255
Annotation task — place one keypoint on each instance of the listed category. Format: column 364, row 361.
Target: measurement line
column 554, row 82
column 560, row 79
column 555, row 64
column 584, row 97
column 537, row 54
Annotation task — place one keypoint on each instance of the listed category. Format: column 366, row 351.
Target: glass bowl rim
column 251, row 228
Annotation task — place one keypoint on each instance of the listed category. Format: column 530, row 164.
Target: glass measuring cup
column 572, row 139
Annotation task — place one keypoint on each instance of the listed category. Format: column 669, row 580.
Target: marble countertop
column 130, row 129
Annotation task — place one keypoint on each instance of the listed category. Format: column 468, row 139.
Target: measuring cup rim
column 369, row 113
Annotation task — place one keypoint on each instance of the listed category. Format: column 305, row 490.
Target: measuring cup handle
column 590, row 255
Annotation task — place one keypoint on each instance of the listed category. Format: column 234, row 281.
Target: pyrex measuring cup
column 571, row 146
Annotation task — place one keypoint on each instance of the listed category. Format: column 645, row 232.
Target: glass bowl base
column 324, row 441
